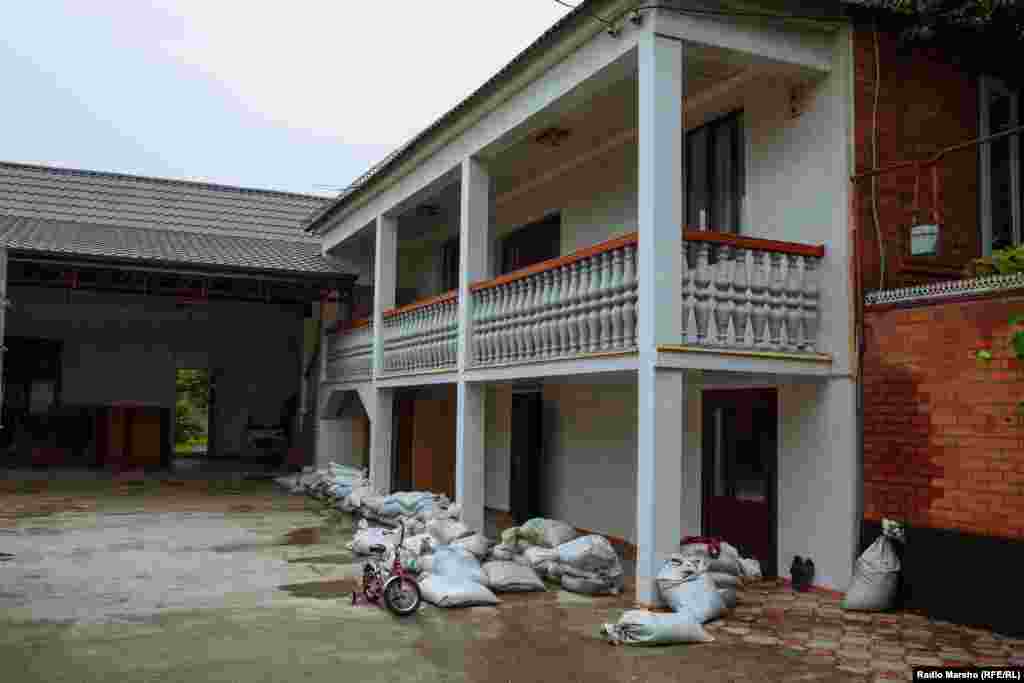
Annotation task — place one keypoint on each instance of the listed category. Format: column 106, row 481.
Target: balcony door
column 740, row 440
column 715, row 179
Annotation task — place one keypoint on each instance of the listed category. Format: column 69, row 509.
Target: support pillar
column 385, row 274
column 662, row 405
column 474, row 265
column 470, row 487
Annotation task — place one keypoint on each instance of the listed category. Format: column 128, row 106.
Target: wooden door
column 739, row 474
column 403, row 425
column 525, row 456
column 433, row 444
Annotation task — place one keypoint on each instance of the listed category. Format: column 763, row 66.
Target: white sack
column 509, row 577
column 445, row 531
column 547, row 533
column 639, row 627
column 477, row 544
column 875, row 578
column 448, row 591
column 455, row 563
column 589, row 553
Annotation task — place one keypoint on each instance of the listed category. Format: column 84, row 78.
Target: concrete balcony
column 422, row 336
column 350, row 352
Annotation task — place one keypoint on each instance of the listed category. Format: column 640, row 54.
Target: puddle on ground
column 309, row 535
column 324, row 590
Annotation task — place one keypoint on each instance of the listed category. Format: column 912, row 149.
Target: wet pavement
column 190, row 583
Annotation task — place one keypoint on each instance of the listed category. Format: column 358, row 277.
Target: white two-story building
column 613, row 286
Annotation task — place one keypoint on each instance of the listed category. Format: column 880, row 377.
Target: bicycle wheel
column 402, row 595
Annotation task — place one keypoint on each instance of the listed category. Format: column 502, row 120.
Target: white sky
column 289, row 95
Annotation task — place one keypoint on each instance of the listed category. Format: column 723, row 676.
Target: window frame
column 988, row 85
column 736, row 119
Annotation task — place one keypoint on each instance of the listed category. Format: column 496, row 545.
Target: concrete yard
column 221, row 581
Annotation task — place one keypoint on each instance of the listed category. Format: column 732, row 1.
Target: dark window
column 450, row 265
column 1001, row 168
column 715, row 175
column 532, row 244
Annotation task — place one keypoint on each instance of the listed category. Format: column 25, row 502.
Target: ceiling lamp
column 552, row 137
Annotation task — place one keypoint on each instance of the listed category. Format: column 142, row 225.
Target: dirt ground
column 234, row 582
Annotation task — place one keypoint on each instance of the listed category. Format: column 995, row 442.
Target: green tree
column 191, row 406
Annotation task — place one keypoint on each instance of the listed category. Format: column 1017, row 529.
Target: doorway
column 525, row 448
column 740, row 444
column 192, row 412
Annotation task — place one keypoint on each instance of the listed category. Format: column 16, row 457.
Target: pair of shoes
column 802, row 573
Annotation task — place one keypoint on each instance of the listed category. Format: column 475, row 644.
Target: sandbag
column 477, row 544
column 689, row 593
column 592, row 586
column 546, row 533
column 449, row 591
column 509, row 577
column 875, row 578
column 724, row 580
column 728, row 597
column 510, row 536
column 535, row 556
column 371, row 536
column 589, row 553
column 503, row 552
column 420, row 544
column 425, row 563
column 456, row 563
column 751, row 568
column 445, row 531
column 639, row 627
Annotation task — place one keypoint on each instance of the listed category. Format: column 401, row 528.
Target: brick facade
column 925, row 104
column 943, row 442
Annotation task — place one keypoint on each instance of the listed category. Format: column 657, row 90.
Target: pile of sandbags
column 699, row 584
column 455, row 578
column 332, row 483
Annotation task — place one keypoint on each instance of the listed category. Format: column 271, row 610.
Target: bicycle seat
column 378, row 549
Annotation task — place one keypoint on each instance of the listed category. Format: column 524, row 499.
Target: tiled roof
column 91, row 214
column 135, row 201
column 162, row 247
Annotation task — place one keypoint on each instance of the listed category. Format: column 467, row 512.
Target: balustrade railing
column 422, row 335
column 350, row 352
column 749, row 293
column 583, row 303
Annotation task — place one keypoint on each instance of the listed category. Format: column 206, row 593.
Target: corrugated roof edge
column 59, row 170
column 325, row 212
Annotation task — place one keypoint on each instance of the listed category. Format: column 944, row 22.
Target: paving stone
column 860, row 654
column 919, row 660
column 888, row 664
column 853, row 667
column 757, row 639
column 820, row 644
column 736, row 630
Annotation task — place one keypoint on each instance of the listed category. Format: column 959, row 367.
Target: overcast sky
column 293, row 95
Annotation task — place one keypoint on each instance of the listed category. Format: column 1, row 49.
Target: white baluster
column 740, row 298
column 500, row 347
column 723, row 293
column 579, row 319
column 551, row 311
column 541, row 331
column 615, row 300
column 570, row 280
column 629, row 290
column 687, row 279
column 517, row 320
column 759, row 298
column 589, row 300
column 526, row 324
column 775, row 288
column 810, row 304
column 794, row 290
column 701, row 294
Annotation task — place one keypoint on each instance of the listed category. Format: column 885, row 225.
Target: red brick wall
column 925, row 104
column 943, row 443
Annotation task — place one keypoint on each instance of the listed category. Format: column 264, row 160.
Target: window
column 532, row 244
column 1000, row 166
column 450, row 265
column 715, row 182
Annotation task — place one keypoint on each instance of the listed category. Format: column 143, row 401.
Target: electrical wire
column 597, row 16
column 874, row 163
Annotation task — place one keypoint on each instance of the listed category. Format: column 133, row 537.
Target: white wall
column 497, row 464
column 818, row 478
column 589, row 471
column 124, row 348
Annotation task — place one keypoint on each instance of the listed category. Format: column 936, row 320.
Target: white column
column 385, row 279
column 662, row 396
column 474, row 243
column 660, row 192
column 3, row 317
column 469, row 453
column 474, row 265
column 380, row 440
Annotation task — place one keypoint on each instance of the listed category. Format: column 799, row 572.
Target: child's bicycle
column 390, row 580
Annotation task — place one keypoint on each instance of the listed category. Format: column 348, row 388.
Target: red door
column 739, row 474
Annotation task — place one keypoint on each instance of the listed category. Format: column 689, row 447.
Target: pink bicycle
column 390, row 580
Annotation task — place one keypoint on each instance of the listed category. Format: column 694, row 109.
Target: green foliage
column 1002, row 262
column 191, row 406
column 928, row 19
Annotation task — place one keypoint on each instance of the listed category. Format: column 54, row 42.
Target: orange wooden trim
column 551, row 264
column 757, row 243
column 447, row 296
